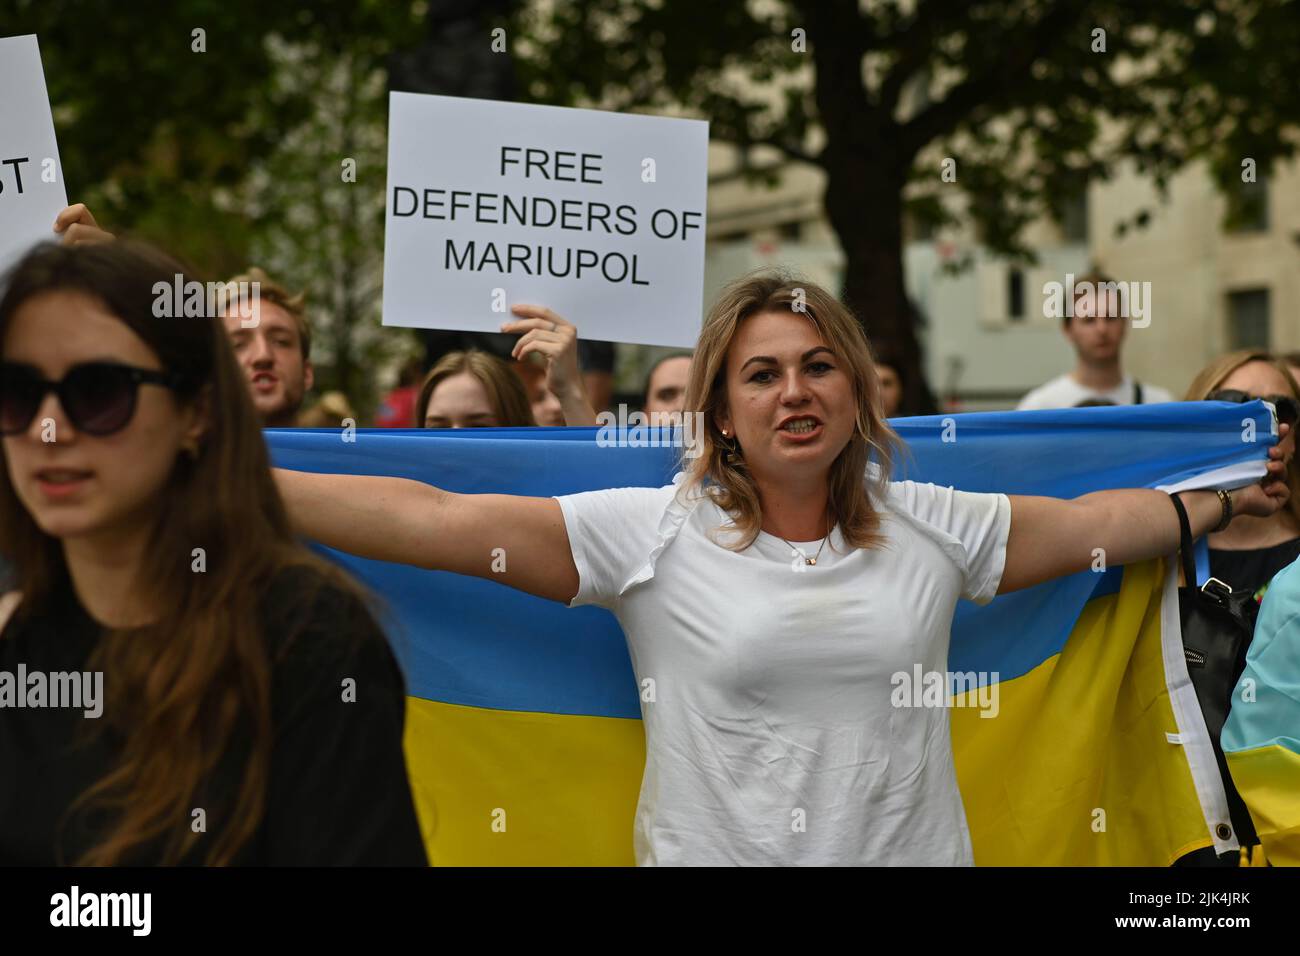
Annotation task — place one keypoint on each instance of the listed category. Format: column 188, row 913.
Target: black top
column 1252, row 570
column 337, row 791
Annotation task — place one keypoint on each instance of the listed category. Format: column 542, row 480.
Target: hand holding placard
column 554, row 340
column 76, row 225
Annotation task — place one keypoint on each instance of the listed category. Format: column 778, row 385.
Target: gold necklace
column 811, row 562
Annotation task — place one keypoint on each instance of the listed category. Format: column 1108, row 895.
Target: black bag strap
column 1185, row 542
column 1137, row 393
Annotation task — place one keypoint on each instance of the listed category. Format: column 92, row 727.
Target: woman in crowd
column 237, row 704
column 472, row 389
column 547, row 409
column 1249, row 552
column 773, row 590
column 890, row 373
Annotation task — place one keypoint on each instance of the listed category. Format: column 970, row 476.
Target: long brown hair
column 196, row 682
column 505, row 391
column 729, row 481
column 1211, row 378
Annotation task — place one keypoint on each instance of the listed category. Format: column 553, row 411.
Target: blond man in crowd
column 273, row 348
column 273, row 345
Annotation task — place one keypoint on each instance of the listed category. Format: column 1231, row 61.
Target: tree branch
column 841, row 19
column 1009, row 70
column 846, row 110
column 796, row 153
column 915, row 45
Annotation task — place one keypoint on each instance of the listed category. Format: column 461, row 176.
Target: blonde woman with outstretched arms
column 774, row 588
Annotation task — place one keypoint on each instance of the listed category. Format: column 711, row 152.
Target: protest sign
column 31, row 180
column 598, row 216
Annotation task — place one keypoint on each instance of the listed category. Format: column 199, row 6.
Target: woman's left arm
column 1052, row 537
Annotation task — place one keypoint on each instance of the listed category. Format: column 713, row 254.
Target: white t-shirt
column 771, row 738
column 1064, row 392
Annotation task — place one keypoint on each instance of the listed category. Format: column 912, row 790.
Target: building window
column 1015, row 295
column 1074, row 217
column 1248, row 319
column 1248, row 211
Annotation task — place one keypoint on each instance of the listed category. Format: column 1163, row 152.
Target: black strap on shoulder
column 1137, row 393
column 1185, row 542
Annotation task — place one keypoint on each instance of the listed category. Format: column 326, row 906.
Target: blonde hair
column 505, row 391
column 296, row 305
column 730, row 484
column 1211, row 378
column 331, row 411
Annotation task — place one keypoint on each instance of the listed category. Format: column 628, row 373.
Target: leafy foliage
column 1032, row 98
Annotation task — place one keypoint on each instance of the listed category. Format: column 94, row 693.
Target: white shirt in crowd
column 771, row 738
column 1064, row 392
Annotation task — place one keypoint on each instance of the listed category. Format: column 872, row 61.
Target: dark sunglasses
column 98, row 397
column 1288, row 409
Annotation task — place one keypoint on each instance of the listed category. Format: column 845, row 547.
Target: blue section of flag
column 469, row 641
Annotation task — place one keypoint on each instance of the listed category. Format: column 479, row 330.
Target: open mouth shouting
column 801, row 428
column 265, row 382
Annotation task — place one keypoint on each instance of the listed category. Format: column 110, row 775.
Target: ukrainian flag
column 524, row 738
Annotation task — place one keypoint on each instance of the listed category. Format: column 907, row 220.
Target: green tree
column 219, row 129
column 1032, row 98
column 317, row 204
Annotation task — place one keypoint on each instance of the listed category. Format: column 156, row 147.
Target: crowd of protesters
column 169, row 414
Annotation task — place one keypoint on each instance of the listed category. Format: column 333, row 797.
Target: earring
column 732, row 450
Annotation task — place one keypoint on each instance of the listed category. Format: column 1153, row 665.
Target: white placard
column 31, row 179
column 598, row 216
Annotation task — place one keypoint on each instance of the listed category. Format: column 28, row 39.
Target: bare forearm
column 373, row 517
column 1137, row 524
column 516, row 540
column 577, row 409
column 1050, row 537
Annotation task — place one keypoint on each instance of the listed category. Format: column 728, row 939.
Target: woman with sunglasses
column 249, row 711
column 1251, row 550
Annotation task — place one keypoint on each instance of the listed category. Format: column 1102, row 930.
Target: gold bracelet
column 1226, row 500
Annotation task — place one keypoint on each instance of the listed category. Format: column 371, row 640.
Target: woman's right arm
column 516, row 540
